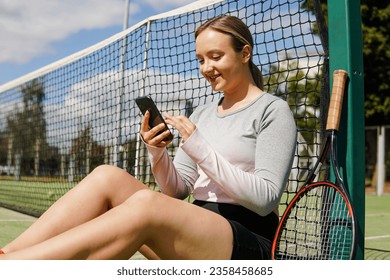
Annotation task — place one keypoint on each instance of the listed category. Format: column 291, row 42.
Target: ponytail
column 256, row 75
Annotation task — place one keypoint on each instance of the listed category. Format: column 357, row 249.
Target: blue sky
column 36, row 33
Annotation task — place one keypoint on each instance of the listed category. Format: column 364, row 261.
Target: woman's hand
column 151, row 136
column 182, row 124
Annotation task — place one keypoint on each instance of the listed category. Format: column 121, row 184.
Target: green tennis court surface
column 377, row 236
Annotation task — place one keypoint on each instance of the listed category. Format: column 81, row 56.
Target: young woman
column 235, row 158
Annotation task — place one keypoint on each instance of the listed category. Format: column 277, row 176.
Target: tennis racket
column 319, row 223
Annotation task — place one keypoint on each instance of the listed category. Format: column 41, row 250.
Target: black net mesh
column 57, row 126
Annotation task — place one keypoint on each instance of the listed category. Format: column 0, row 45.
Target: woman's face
column 220, row 64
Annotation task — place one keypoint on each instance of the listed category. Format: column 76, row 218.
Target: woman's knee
column 143, row 198
column 146, row 203
column 107, row 171
column 112, row 182
column 108, row 175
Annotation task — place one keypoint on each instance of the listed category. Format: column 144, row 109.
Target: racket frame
column 330, row 143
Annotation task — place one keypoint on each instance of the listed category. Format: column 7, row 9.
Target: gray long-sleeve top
column 243, row 157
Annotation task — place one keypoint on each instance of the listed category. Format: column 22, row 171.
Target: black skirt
column 252, row 233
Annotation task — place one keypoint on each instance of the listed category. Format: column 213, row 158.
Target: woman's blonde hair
column 240, row 35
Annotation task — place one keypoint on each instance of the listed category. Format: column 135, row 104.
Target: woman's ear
column 246, row 53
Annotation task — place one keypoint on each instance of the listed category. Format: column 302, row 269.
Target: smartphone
column 147, row 104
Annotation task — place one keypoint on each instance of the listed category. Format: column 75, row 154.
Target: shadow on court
column 376, row 254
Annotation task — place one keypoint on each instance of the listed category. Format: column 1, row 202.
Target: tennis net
column 60, row 122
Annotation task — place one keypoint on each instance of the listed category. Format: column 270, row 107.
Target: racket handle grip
column 336, row 100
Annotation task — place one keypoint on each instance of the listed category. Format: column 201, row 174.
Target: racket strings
column 319, row 226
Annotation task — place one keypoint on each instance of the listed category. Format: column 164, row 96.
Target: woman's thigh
column 176, row 229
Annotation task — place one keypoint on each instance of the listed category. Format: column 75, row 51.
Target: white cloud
column 28, row 28
column 160, row 4
column 85, row 103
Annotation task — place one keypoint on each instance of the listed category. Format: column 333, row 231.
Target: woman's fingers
column 182, row 124
column 151, row 136
column 145, row 128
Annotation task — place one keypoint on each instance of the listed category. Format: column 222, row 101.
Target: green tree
column 376, row 57
column 88, row 154
column 302, row 93
column 3, row 148
column 27, row 127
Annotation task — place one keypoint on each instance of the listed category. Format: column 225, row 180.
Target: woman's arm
column 170, row 181
column 165, row 173
column 275, row 147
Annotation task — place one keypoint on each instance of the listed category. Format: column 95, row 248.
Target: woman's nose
column 208, row 66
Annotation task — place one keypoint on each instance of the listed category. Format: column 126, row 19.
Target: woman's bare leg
column 172, row 228
column 103, row 189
